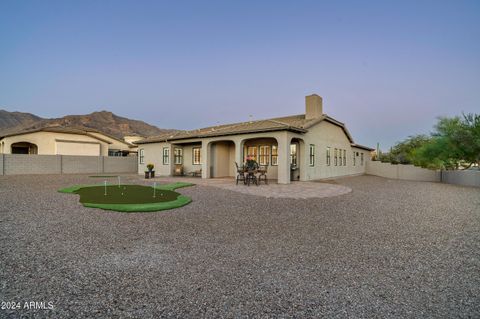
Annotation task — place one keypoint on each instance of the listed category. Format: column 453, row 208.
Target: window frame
column 194, row 150
column 329, row 156
column 264, row 159
column 178, row 158
column 166, row 156
column 335, row 157
column 312, row 154
column 293, row 155
column 274, row 156
column 141, row 156
column 362, row 160
column 344, row 157
column 354, row 158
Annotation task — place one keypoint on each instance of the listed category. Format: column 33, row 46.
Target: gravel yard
column 386, row 249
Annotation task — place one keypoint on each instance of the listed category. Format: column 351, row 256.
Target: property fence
column 17, row 164
column 414, row 173
column 406, row 172
column 465, row 177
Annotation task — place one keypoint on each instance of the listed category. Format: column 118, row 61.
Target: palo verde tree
column 455, row 142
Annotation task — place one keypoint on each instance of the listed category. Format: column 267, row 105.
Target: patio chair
column 262, row 174
column 197, row 173
column 240, row 174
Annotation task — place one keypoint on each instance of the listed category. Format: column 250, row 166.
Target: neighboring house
column 64, row 141
column 315, row 145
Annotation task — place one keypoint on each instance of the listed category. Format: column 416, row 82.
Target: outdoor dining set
column 251, row 173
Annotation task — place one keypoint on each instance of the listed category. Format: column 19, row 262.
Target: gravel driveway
column 387, row 249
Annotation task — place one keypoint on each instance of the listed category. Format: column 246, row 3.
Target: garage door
column 78, row 148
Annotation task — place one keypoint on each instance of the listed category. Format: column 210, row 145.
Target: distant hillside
column 16, row 120
column 103, row 121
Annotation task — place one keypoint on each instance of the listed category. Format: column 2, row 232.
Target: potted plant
column 150, row 172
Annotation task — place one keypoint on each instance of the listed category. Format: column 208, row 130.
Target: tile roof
column 295, row 123
column 68, row 130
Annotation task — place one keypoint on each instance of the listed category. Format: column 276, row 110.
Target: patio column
column 239, row 152
column 283, row 158
column 205, row 153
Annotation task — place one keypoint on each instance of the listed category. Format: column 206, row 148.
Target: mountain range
column 103, row 121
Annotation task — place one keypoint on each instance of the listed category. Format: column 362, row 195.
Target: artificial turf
column 130, row 198
column 103, row 176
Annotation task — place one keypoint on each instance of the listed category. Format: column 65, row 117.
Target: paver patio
column 298, row 190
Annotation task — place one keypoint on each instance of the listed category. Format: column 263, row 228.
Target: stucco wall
column 405, row 172
column 114, row 143
column 154, row 155
column 325, row 135
column 465, row 178
column 188, row 165
column 47, row 143
column 18, row 164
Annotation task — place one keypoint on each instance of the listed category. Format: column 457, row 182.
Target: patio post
column 283, row 141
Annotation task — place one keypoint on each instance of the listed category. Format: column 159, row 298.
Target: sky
column 387, row 69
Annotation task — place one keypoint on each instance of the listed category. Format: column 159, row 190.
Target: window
column 328, row 156
column 141, row 156
column 252, row 152
column 196, row 156
column 312, row 155
column 344, row 157
column 264, row 155
column 361, row 159
column 354, row 159
column 178, row 156
column 274, row 160
column 335, row 157
column 293, row 154
column 166, row 156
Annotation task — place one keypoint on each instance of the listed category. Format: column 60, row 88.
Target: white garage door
column 78, row 148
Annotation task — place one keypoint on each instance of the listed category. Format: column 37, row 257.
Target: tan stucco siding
column 325, row 135
column 46, row 143
column 77, row 148
column 114, row 143
column 153, row 154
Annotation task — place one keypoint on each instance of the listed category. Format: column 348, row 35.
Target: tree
column 404, row 152
column 455, row 142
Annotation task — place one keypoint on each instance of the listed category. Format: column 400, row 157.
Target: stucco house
column 64, row 141
column 316, row 145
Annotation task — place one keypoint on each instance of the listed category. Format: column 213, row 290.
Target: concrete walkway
column 299, row 190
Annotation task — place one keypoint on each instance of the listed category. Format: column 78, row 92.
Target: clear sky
column 385, row 68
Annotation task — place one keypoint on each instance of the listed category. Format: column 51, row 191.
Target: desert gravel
column 388, row 249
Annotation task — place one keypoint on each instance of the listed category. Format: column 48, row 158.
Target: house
column 302, row 147
column 59, row 140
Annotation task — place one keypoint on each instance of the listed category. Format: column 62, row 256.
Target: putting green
column 103, row 176
column 130, row 198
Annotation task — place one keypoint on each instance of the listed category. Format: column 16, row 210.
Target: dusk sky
column 385, row 68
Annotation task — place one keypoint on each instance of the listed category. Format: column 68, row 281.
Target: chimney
column 313, row 106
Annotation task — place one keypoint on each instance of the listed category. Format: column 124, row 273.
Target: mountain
column 103, row 121
column 14, row 120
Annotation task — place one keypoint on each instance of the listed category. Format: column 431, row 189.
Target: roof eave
column 166, row 140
